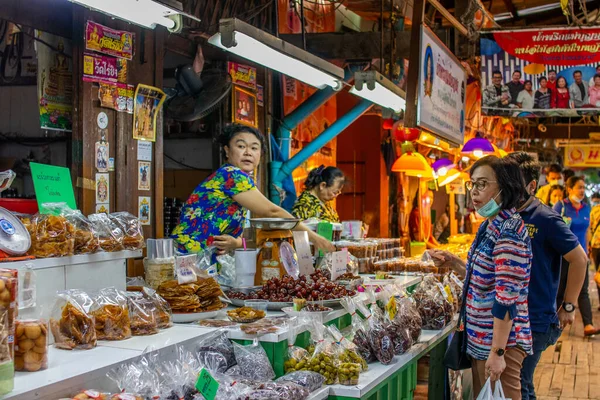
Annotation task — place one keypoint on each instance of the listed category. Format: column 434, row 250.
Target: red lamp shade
column 407, row 134
column 388, row 123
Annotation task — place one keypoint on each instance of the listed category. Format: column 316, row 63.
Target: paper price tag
column 305, row 258
column 391, row 307
column 185, row 268
column 449, row 294
column 207, row 385
column 340, row 260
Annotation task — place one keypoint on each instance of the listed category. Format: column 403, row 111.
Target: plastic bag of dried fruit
column 349, row 351
column 82, row 231
column 53, row 235
column 377, row 336
column 112, row 315
column 357, row 331
column 297, row 357
column 399, row 332
column 31, row 343
column 142, row 314
column 109, row 234
column 253, row 361
column 90, row 394
column 216, row 342
column 164, row 314
column 140, row 377
column 72, row 321
column 409, row 316
column 324, row 353
column 433, row 303
column 132, row 229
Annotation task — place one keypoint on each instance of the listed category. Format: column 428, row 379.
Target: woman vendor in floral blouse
column 322, row 186
column 215, row 212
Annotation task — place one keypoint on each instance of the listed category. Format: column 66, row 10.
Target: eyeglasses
column 479, row 185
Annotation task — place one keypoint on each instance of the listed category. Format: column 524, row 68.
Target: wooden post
column 452, row 215
column 410, row 116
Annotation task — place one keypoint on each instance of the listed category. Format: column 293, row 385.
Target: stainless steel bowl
column 274, row 223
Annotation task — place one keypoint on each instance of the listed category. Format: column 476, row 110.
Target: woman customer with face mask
column 498, row 271
column 576, row 214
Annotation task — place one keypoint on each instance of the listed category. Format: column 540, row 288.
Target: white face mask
column 577, row 198
column 556, row 182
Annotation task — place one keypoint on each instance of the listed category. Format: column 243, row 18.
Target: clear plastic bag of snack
column 140, row 377
column 216, row 342
column 112, row 315
column 72, row 321
column 109, row 234
column 132, row 229
column 227, row 274
column 399, row 332
column 52, row 236
column 91, row 394
column 31, row 344
column 309, row 380
column 432, row 302
column 357, row 331
column 135, row 283
column 176, row 380
column 409, row 316
column 297, row 357
column 142, row 314
column 285, row 390
column 324, row 353
column 163, row 312
column 378, row 337
column 457, row 285
column 349, row 351
column 86, row 238
column 253, row 361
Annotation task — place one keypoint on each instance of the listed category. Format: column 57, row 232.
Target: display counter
column 70, row 371
column 89, row 272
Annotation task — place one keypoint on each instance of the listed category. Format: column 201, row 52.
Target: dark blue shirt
column 580, row 219
column 551, row 239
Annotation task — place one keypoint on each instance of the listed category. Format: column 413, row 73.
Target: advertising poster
column 148, row 101
column 109, row 41
column 242, row 75
column 144, row 175
column 144, row 210
column 244, row 107
column 99, row 68
column 55, row 82
column 442, row 90
column 582, row 155
column 541, row 72
column 117, row 97
column 102, row 188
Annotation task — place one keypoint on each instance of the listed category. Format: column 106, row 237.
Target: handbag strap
column 481, row 234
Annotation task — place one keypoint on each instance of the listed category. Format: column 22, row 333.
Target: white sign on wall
column 442, row 90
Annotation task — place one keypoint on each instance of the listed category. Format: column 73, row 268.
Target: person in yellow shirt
column 553, row 177
column 594, row 236
column 322, row 186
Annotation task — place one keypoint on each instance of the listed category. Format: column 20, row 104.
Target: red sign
column 554, row 46
column 98, row 68
column 109, row 41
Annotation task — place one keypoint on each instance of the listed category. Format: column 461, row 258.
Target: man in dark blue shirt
column 551, row 240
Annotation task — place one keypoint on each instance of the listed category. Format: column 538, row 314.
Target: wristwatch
column 568, row 307
column 498, row 351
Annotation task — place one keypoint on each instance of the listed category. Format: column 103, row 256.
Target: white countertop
column 40, row 263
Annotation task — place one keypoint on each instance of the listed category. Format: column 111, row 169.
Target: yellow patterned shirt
column 309, row 206
column 594, row 229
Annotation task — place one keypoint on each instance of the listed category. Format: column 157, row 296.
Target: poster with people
column 442, row 87
column 244, row 107
column 148, row 101
column 541, row 72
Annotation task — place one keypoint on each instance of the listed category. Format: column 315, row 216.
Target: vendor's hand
column 226, row 243
column 565, row 318
column 494, row 366
column 321, row 243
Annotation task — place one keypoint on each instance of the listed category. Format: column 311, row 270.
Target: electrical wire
column 182, row 163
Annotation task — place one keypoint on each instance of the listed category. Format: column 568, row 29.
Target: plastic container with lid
column 14, row 237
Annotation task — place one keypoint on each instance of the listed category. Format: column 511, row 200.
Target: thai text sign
column 97, row 68
column 52, row 184
column 540, row 72
column 442, row 88
column 585, row 155
column 109, row 41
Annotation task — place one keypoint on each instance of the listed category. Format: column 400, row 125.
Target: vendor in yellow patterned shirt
column 322, row 186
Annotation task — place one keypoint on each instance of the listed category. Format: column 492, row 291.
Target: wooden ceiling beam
column 510, row 7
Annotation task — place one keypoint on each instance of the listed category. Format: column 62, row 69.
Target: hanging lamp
column 478, row 147
column 442, row 166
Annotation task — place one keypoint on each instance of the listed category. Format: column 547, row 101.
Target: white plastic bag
column 499, row 391
column 487, row 394
column 486, row 391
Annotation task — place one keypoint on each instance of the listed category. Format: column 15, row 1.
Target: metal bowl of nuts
column 245, row 315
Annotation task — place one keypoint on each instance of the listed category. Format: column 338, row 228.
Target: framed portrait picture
column 243, row 107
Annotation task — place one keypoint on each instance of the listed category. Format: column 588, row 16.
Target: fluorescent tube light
column 373, row 86
column 253, row 44
column 146, row 13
